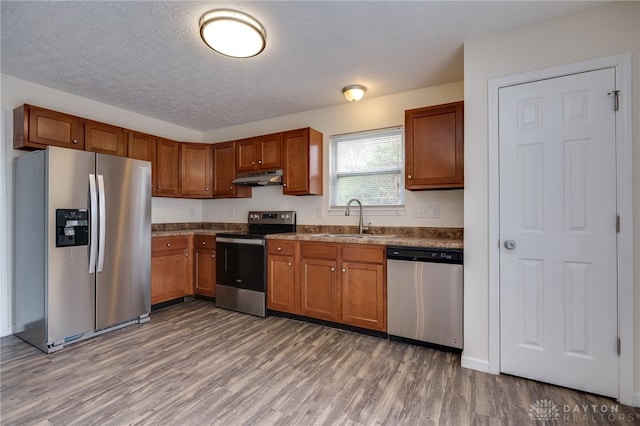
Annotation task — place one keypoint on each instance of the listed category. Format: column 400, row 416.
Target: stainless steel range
column 241, row 267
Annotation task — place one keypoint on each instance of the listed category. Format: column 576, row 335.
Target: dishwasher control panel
column 419, row 254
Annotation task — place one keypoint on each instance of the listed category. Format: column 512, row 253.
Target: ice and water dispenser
column 72, row 227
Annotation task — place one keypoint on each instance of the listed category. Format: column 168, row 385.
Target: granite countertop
column 386, row 240
column 386, row 236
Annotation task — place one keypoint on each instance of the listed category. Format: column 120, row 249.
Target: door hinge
column 618, row 224
column 616, row 99
column 618, row 348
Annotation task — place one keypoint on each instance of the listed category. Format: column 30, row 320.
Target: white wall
column 15, row 92
column 598, row 32
column 375, row 113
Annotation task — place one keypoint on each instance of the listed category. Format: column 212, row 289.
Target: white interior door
column 558, row 283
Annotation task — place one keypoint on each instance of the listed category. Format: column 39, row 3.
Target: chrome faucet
column 348, row 212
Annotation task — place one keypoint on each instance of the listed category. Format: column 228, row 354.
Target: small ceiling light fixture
column 354, row 92
column 232, row 33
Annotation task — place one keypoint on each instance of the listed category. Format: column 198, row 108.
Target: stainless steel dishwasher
column 424, row 288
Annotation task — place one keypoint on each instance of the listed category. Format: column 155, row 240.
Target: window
column 368, row 166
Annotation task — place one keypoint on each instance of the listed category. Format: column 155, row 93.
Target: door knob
column 509, row 244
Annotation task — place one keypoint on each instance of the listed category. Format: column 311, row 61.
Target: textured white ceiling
column 147, row 56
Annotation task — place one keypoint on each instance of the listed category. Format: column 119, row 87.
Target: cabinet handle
column 409, row 176
column 204, row 243
column 289, row 263
column 284, row 184
column 159, row 187
column 333, row 269
column 279, row 248
column 168, row 244
column 75, row 141
column 344, row 269
column 231, row 188
column 259, row 161
column 213, row 256
column 206, row 189
column 186, row 255
column 253, row 163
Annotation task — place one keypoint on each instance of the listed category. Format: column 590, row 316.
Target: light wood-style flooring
column 194, row 364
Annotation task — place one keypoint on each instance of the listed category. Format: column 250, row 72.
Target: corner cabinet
column 302, row 162
column 434, row 147
column 224, row 172
column 196, row 180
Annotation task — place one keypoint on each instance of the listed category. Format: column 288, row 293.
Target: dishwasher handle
column 421, row 254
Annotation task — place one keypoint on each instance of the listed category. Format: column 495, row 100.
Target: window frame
column 381, row 210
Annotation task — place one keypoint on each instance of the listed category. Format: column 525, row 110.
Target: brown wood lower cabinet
column 343, row 283
column 171, row 268
column 204, row 271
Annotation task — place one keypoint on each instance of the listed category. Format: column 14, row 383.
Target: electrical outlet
column 232, row 212
column 421, row 212
column 435, row 212
column 319, row 211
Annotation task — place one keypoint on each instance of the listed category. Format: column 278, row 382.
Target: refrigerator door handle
column 102, row 224
column 93, row 214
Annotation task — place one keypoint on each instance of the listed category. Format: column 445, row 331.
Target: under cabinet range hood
column 272, row 177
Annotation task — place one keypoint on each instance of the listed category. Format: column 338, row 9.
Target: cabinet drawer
column 169, row 243
column 319, row 251
column 362, row 253
column 281, row 247
column 205, row 241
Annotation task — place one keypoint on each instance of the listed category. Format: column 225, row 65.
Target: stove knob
column 286, row 216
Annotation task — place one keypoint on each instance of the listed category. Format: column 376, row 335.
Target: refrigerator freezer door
column 123, row 287
column 70, row 289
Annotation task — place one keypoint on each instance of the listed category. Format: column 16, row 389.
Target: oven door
column 241, row 263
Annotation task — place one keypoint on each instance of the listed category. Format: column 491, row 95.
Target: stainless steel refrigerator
column 82, row 245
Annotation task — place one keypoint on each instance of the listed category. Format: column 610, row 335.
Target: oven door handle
column 248, row 241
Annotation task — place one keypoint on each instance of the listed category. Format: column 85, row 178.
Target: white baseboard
column 475, row 364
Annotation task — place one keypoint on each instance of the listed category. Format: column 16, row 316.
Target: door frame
column 624, row 162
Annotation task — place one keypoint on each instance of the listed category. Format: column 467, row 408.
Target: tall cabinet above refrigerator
column 82, row 245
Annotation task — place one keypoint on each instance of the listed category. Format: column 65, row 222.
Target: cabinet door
column 319, row 289
column 363, row 295
column 302, row 162
column 270, row 151
column 167, row 167
column 434, row 147
column 103, row 138
column 281, row 287
column 170, row 275
column 247, row 154
column 204, row 281
column 224, row 172
column 195, row 170
column 36, row 127
column 141, row 146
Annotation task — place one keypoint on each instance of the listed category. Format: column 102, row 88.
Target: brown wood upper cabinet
column 196, row 173
column 36, row 128
column 141, row 146
column 224, row 160
column 104, row 138
column 434, row 147
column 302, row 162
column 167, row 168
column 259, row 153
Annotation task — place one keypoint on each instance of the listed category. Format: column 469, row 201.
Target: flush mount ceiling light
column 354, row 92
column 232, row 33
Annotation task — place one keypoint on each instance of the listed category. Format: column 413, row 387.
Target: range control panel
column 72, row 227
column 287, row 217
